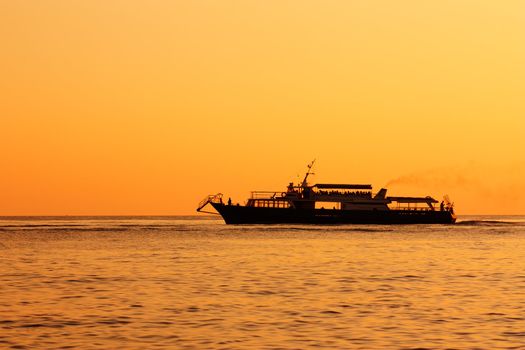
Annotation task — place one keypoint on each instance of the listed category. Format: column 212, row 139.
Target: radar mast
column 308, row 172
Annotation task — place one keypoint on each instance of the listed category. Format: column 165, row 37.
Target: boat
column 328, row 203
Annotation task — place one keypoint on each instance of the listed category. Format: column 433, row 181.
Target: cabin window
column 328, row 205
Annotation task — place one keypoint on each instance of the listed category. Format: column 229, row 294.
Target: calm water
column 195, row 283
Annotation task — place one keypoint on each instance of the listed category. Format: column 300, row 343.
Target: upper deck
column 342, row 196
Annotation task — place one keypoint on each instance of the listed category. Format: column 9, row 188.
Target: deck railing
column 265, row 194
column 270, row 203
column 412, row 208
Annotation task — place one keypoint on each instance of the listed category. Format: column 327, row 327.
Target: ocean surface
column 196, row 283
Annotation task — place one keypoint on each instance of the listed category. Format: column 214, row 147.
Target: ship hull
column 235, row 214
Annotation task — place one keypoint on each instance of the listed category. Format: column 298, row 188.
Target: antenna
column 308, row 172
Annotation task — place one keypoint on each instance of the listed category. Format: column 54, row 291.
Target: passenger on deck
column 442, row 206
column 229, row 201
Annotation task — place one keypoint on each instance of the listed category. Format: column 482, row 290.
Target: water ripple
column 187, row 283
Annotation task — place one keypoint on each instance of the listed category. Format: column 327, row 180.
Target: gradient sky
column 144, row 107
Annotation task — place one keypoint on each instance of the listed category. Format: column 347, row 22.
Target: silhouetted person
column 306, row 193
column 230, row 202
column 442, row 206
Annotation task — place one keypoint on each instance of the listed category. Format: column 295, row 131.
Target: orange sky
column 144, row 107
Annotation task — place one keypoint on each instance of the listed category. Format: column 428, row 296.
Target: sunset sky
column 144, row 107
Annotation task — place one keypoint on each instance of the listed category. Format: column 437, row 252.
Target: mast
column 308, row 172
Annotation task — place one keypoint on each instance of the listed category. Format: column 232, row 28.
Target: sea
column 187, row 282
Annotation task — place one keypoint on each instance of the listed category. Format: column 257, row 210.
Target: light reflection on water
column 194, row 283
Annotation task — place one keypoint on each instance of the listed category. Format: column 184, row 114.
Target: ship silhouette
column 331, row 204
